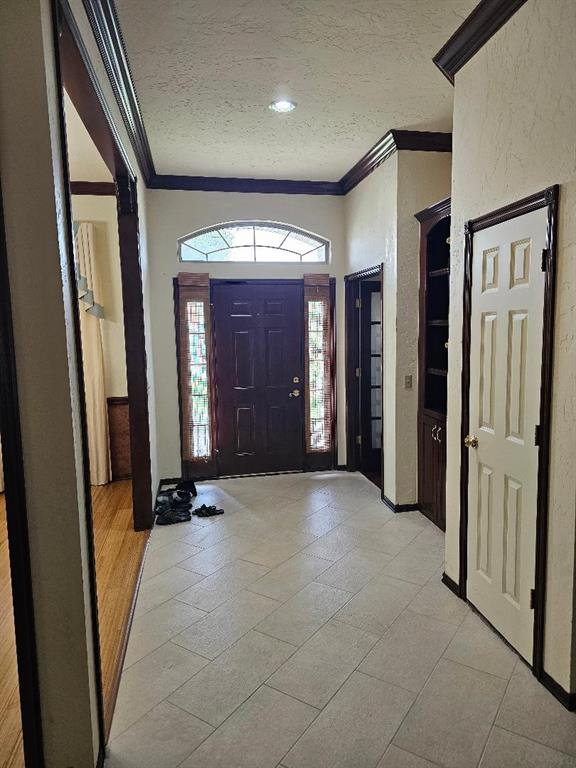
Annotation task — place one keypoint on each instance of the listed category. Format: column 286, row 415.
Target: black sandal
column 205, row 511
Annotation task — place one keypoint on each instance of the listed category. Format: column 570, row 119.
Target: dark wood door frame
column 17, row 524
column 84, row 90
column 352, row 356
column 212, row 470
column 548, row 198
column 75, row 72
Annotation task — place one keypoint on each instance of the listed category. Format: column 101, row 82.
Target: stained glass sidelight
column 194, row 355
column 199, row 405
column 318, row 368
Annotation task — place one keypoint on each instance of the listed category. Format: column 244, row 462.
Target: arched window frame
column 204, row 257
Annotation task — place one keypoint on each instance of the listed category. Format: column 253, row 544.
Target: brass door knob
column 295, row 393
column 471, row 441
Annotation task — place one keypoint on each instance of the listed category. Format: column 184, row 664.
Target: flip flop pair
column 205, row 511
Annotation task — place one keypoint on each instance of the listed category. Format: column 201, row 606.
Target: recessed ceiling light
column 282, row 105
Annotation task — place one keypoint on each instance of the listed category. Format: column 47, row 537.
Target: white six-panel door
column 505, row 369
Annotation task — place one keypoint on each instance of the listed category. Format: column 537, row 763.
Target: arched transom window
column 260, row 241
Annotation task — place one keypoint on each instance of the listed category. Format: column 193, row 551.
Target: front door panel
column 258, row 342
column 505, row 370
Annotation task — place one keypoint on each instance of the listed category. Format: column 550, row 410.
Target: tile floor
column 308, row 628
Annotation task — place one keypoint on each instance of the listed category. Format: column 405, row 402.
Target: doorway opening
column 109, row 326
column 364, row 379
column 256, row 375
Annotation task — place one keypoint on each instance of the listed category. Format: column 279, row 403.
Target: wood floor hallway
column 308, row 628
column 11, row 752
column 119, row 551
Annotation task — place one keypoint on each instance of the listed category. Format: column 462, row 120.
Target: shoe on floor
column 187, row 485
column 205, row 511
column 172, row 516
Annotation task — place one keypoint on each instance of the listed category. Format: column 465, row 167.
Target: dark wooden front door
column 259, row 376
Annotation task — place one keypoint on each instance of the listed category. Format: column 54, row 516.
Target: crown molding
column 106, row 29
column 229, row 184
column 441, row 208
column 393, row 141
column 484, row 21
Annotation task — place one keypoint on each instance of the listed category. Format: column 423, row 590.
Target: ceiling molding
column 105, row 26
column 264, row 186
column 442, row 207
column 393, row 141
column 484, row 21
column 104, row 22
column 99, row 188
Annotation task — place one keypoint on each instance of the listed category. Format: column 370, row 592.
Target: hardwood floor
column 119, row 552
column 11, row 753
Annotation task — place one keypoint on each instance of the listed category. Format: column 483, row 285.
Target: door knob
column 295, row 393
column 471, row 441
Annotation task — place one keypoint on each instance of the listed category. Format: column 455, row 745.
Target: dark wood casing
column 433, row 360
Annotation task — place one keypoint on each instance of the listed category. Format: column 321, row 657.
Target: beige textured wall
column 101, row 211
column 371, row 239
column 423, row 179
column 381, row 228
column 175, row 214
column 514, row 134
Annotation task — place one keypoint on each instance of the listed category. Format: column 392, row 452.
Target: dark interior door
column 259, row 374
column 371, row 378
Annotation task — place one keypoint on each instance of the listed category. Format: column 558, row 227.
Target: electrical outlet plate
column 407, row 382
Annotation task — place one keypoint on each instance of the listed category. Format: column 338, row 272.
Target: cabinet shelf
column 433, row 364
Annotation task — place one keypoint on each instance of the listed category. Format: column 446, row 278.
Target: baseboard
column 201, row 478
column 399, row 507
column 567, row 700
column 168, row 481
column 342, row 468
column 451, row 584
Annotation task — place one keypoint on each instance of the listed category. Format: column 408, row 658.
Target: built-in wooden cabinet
column 433, row 359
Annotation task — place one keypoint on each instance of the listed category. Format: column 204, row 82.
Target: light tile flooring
column 308, row 628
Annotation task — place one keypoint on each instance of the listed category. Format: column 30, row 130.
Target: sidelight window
column 253, row 241
column 193, row 304
column 318, row 359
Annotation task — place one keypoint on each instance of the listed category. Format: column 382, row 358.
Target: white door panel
column 505, row 370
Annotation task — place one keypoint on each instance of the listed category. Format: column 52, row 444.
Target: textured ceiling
column 84, row 161
column 206, row 70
